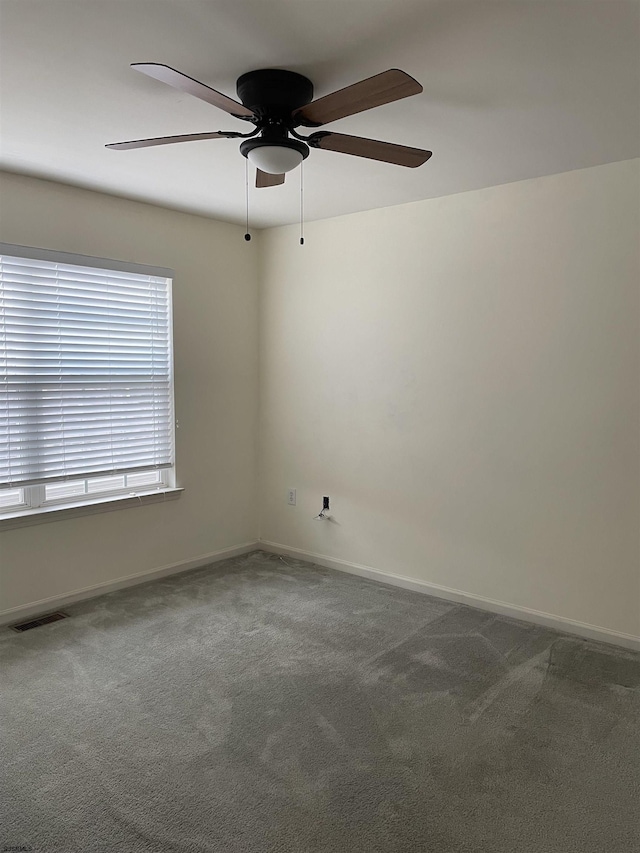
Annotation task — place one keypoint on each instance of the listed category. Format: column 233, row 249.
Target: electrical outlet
column 291, row 497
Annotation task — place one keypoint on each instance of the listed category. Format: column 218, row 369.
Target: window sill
column 41, row 514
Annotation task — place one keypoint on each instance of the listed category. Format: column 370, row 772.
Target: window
column 86, row 380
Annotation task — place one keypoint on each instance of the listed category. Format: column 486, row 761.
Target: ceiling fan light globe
column 275, row 159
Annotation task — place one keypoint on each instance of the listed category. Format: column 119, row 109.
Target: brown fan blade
column 193, row 87
column 265, row 179
column 372, row 149
column 381, row 89
column 165, row 140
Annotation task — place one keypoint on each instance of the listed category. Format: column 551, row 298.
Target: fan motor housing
column 273, row 92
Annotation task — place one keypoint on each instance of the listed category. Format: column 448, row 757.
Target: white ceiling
column 512, row 90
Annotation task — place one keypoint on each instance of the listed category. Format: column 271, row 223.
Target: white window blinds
column 85, row 367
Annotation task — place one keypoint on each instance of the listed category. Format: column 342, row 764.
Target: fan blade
column 372, row 149
column 265, row 179
column 193, row 87
column 381, row 89
column 165, row 140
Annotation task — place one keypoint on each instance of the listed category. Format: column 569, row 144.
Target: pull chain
column 301, row 204
column 247, row 236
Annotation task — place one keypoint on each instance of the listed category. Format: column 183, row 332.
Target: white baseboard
column 34, row 608
column 548, row 620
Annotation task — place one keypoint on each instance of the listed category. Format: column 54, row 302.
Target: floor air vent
column 43, row 620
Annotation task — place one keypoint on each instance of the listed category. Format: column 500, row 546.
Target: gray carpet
column 255, row 706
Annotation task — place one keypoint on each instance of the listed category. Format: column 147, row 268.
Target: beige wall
column 215, row 342
column 461, row 377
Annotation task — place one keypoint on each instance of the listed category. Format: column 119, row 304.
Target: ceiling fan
column 277, row 102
